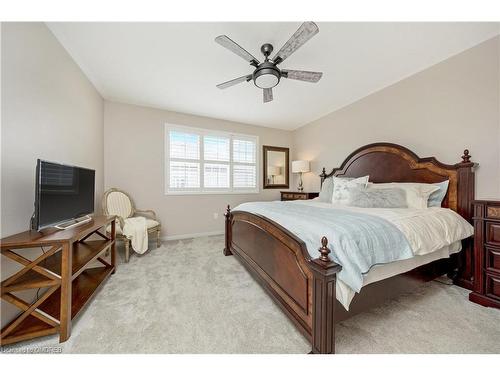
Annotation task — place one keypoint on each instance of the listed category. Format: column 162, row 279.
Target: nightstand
column 486, row 253
column 297, row 195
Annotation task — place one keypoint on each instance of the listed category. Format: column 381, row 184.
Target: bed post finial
column 466, row 156
column 323, row 173
column 228, row 233
column 324, row 250
column 324, row 271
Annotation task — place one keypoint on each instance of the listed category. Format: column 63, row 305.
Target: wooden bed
column 304, row 287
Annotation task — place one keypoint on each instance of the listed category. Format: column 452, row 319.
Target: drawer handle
column 494, row 279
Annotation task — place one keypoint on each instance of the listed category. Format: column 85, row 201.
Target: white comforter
column 432, row 233
column 426, row 230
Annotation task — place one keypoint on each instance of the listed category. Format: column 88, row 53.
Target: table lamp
column 300, row 166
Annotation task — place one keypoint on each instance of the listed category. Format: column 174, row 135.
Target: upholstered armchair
column 117, row 202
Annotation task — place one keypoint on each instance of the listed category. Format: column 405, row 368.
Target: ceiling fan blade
column 235, row 81
column 302, row 75
column 268, row 95
column 305, row 32
column 234, row 47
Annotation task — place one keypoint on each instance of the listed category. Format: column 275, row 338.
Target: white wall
column 438, row 112
column 50, row 110
column 134, row 162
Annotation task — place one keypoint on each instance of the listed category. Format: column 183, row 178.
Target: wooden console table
column 63, row 270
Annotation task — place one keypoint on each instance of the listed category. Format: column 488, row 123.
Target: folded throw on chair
column 136, row 230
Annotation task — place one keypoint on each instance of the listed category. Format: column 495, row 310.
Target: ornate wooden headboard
column 389, row 162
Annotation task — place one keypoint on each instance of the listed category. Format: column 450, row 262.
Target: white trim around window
column 204, row 161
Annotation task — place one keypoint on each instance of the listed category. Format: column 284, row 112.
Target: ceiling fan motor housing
column 266, row 49
column 266, row 76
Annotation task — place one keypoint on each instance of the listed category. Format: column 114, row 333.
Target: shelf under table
column 83, row 288
column 83, row 254
column 30, row 280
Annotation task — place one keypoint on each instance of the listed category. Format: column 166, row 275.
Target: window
column 204, row 161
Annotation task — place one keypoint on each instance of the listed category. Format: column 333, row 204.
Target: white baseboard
column 192, row 235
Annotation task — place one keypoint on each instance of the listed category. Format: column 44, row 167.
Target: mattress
column 384, row 271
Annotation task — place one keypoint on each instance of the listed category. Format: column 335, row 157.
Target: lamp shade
column 300, row 166
column 273, row 171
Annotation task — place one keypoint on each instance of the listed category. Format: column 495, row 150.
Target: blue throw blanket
column 357, row 241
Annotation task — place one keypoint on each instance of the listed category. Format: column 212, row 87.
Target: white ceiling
column 175, row 66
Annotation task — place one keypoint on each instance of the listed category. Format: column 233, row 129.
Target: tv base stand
column 74, row 222
column 62, row 270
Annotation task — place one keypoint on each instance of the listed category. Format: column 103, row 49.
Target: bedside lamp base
column 300, row 187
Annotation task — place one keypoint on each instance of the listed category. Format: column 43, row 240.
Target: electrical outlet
column 216, row 215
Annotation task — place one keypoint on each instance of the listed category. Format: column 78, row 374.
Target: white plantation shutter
column 216, row 176
column 184, row 145
column 184, row 163
column 244, row 176
column 216, row 148
column 244, row 167
column 244, row 151
column 184, row 175
column 205, row 161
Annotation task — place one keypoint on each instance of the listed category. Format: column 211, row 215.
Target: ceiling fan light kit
column 267, row 74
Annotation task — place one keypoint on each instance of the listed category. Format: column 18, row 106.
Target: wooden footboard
column 303, row 287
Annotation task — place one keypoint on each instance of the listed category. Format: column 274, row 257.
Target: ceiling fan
column 267, row 74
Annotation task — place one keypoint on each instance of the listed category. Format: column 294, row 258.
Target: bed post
column 466, row 182
column 227, row 243
column 324, row 271
column 323, row 176
column 464, row 274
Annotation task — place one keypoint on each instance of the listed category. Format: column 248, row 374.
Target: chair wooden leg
column 158, row 240
column 127, row 250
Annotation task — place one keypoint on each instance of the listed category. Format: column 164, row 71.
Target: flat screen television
column 62, row 193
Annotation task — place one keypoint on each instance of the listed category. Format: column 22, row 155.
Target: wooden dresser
column 297, row 195
column 486, row 253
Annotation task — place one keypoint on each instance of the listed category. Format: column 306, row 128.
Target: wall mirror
column 276, row 167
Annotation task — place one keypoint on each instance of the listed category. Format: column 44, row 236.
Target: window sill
column 219, row 192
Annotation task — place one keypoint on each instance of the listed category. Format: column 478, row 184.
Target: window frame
column 201, row 132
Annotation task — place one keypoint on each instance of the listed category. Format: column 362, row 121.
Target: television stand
column 73, row 223
column 62, row 269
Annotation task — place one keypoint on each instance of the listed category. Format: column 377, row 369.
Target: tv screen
column 62, row 193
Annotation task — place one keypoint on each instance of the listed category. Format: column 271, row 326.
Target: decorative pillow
column 417, row 194
column 341, row 186
column 325, row 195
column 436, row 198
column 377, row 198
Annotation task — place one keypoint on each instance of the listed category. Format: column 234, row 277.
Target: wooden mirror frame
column 286, row 150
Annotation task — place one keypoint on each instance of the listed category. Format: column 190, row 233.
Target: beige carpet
column 186, row 297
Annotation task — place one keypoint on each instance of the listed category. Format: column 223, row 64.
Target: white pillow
column 417, row 194
column 341, row 186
